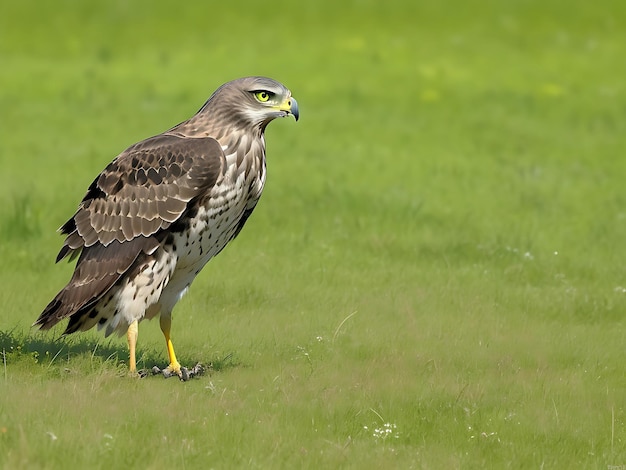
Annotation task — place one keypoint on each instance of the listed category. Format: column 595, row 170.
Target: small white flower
column 108, row 438
column 387, row 430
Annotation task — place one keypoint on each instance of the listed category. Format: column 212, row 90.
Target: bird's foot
column 182, row 373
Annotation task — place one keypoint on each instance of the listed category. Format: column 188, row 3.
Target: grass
column 433, row 277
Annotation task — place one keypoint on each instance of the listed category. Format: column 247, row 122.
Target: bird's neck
column 227, row 135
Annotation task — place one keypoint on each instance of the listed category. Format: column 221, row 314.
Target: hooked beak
column 290, row 106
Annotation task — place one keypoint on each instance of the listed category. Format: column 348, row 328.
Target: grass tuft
column 23, row 219
column 456, row 178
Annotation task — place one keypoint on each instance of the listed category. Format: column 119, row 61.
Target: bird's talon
column 184, row 374
column 142, row 373
column 198, row 369
column 167, row 373
column 170, row 371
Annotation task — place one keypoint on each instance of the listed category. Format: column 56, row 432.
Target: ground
column 433, row 278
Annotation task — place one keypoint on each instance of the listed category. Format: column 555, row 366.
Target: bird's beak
column 290, row 106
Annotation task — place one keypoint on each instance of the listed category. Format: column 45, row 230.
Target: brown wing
column 144, row 190
column 127, row 211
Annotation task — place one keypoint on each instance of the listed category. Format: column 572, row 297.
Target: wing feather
column 126, row 213
column 97, row 269
column 153, row 181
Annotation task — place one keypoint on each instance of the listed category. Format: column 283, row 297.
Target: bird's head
column 252, row 101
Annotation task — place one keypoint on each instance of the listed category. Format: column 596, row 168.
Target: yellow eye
column 262, row 96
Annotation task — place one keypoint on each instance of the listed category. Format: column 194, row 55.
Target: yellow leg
column 131, row 335
column 166, row 324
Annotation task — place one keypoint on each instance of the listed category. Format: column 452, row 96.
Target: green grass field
column 434, row 278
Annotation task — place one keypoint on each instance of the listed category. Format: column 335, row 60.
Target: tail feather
column 98, row 268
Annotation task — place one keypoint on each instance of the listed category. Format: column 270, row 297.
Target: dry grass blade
column 341, row 324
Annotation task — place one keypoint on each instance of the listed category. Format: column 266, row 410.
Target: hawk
column 161, row 210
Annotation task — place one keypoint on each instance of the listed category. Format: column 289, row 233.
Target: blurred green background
column 433, row 278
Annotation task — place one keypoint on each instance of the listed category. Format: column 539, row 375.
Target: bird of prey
column 161, row 210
